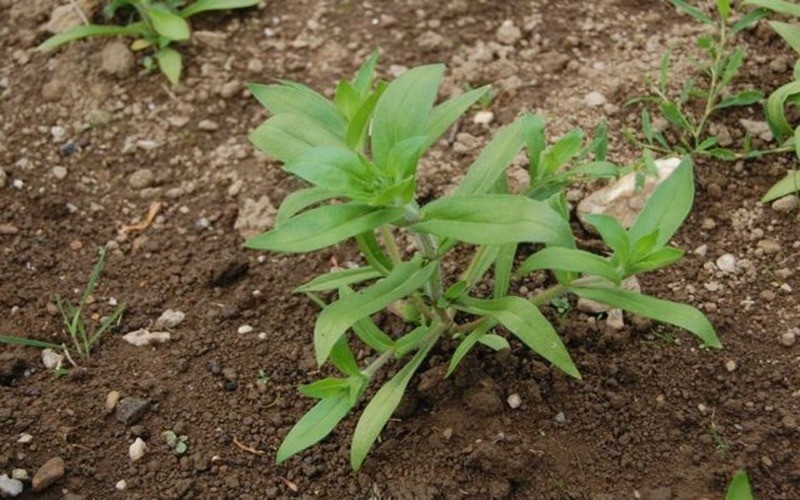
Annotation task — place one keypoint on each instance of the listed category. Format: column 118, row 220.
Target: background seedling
column 83, row 339
column 160, row 24
column 362, row 150
column 179, row 444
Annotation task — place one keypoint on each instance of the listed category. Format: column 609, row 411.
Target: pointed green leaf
column 668, row 206
column 335, row 169
column 296, row 99
column 363, row 78
column 789, row 32
column 381, row 407
column 410, row 341
column 569, row 259
column 369, row 333
column 446, row 113
column 748, row 20
column 371, row 250
column 494, row 158
column 656, row 260
column 167, row 23
column 775, row 110
column 358, row 125
column 286, row 136
column 739, row 488
column 494, row 219
column 207, row 5
column 346, row 99
column 323, row 226
column 403, row 110
column 13, row 340
column 334, row 279
column 528, row 324
column 786, row 186
column 732, row 67
column 481, row 262
column 535, row 137
column 502, row 269
column 724, row 8
column 314, row 426
column 595, row 169
column 744, row 98
column 325, row 388
column 335, row 319
column 673, row 313
column 467, row 344
column 495, row 342
column 693, row 12
column 299, row 200
column 170, row 63
column 673, row 114
column 343, row 359
column 782, row 6
column 560, row 153
column 91, row 30
column 402, row 160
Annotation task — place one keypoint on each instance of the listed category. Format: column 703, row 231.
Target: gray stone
column 759, row 129
column 9, row 488
column 52, row 470
column 144, row 337
column 594, row 99
column 117, row 59
column 507, row 33
column 131, row 410
column 785, row 204
column 230, row 89
column 769, row 246
column 141, row 179
column 726, row 263
column 208, row 125
column 169, row 319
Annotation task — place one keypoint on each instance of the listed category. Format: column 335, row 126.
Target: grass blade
column 14, row 340
column 207, row 5
column 91, row 30
column 314, row 426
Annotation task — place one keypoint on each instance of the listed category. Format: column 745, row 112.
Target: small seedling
column 739, row 488
column 177, row 443
column 160, row 24
column 362, row 150
column 486, row 100
column 83, row 339
column 703, row 94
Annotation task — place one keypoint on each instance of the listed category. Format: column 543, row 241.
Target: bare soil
column 655, row 417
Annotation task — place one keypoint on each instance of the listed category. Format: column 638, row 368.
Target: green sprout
column 177, row 443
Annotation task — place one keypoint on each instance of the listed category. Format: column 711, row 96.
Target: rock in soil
column 117, row 59
column 142, row 337
column 255, row 217
column 169, row 319
column 131, row 410
column 9, row 488
column 52, row 470
column 137, row 449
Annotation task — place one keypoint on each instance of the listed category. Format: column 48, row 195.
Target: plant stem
column 427, row 245
column 713, row 91
column 381, row 360
column 389, row 243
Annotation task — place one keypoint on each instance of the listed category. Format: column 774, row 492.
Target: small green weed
column 160, row 24
column 178, row 444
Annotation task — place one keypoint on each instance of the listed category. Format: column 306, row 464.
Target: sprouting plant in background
column 178, row 444
column 704, row 93
column 789, row 94
column 359, row 154
column 739, row 489
column 83, row 339
column 160, row 24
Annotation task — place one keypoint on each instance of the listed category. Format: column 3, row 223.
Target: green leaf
column 167, row 23
column 13, row 340
column 673, row 114
column 744, row 98
column 296, row 99
column 381, row 407
column 569, row 259
column 402, row 160
column 775, row 110
column 207, row 5
column 91, row 30
column 722, row 154
column 335, row 169
column 325, row 388
column 750, row 19
column 663, row 73
column 535, row 137
column 335, row 319
column 410, row 341
column 286, row 136
column 786, row 186
column 299, row 200
column 323, row 226
column 686, row 91
column 495, row 158
column 780, row 6
column 789, row 32
column 732, row 67
column 495, row 342
column 693, row 12
column 333, row 280
column 170, row 63
column 611, row 232
column 481, row 262
column 494, row 219
column 357, row 127
column 724, row 8
column 560, row 153
column 595, row 169
column 314, row 426
column 363, row 78
column 346, row 99
column 369, row 333
column 502, row 269
column 343, row 359
column 403, row 110
column 673, row 313
column 739, row 488
column 646, row 126
column 656, row 260
column 668, row 206
column 446, row 113
column 371, row 250
column 528, row 324
column 467, row 344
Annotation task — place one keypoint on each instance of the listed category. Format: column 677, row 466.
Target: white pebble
column 25, row 438
column 245, row 329
column 9, row 487
column 594, row 99
column 789, row 338
column 51, row 359
column 514, row 401
column 170, row 319
column 137, row 449
column 561, row 418
column 262, row 336
column 144, row 337
column 483, row 117
column 730, row 365
column 727, row 263
column 20, row 474
column 59, row 172
column 112, row 398
column 17, row 184
column 121, row 485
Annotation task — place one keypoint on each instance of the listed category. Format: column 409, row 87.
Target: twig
column 79, row 11
column 246, row 448
column 155, row 207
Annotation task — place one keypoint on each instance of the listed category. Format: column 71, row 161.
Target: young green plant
column 83, row 339
column 160, row 24
column 739, row 489
column 704, row 93
column 359, row 155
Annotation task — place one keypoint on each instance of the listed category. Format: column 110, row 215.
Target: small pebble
column 727, row 263
column 112, row 398
column 484, row 117
column 121, row 485
column 245, row 329
column 561, row 418
column 786, row 204
column 208, row 125
column 730, row 365
column 59, row 172
column 20, row 474
column 169, row 319
column 514, row 401
column 24, row 438
column 789, row 338
column 594, row 99
column 507, row 33
column 137, row 449
column 9, row 488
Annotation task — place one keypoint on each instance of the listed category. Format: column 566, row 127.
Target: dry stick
column 79, row 11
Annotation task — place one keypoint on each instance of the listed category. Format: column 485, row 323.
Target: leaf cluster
column 160, row 23
column 359, row 155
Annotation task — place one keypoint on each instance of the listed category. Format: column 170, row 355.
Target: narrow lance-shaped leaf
column 569, row 259
column 381, row 407
column 367, row 331
column 668, row 206
column 167, row 23
column 335, row 319
column 502, row 269
column 739, row 488
column 207, row 5
column 781, row 6
column 673, row 313
column 91, row 30
column 693, row 12
column 23, row 341
column 334, row 279
column 363, row 78
column 286, row 136
column 315, row 425
column 468, row 343
column 560, row 153
column 494, row 219
column 789, row 32
column 326, row 388
column 786, row 186
column 335, row 169
column 371, row 250
column 744, row 98
column 528, row 324
column 446, row 113
column 322, row 227
column 732, row 67
column 301, row 199
column 294, row 98
column 343, row 359
column 403, row 110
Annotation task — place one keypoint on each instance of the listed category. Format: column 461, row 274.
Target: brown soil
column 654, row 417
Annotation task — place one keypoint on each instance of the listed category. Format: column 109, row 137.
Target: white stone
column 24, row 438
column 112, row 398
column 59, row 172
column 137, row 449
column 484, row 117
column 51, row 359
column 20, row 474
column 9, row 488
column 726, row 263
column 785, row 204
column 615, row 319
column 121, row 485
column 594, row 99
column 244, row 329
column 262, row 336
column 730, row 365
column 58, row 132
column 789, row 338
column 621, row 199
column 514, row 401
column 17, row 183
column 169, row 319
column 144, row 337
column 208, row 125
